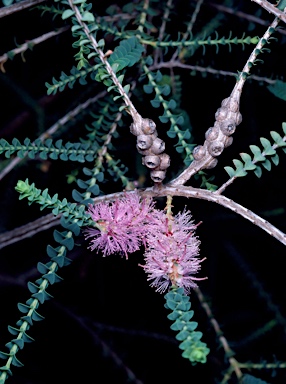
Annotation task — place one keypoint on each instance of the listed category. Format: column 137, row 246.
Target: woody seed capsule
column 151, row 161
column 228, row 141
column 221, row 114
column 135, row 130
column 144, row 141
column 212, row 133
column 199, row 152
column 148, row 126
column 157, row 176
column 215, row 148
column 158, row 146
column 212, row 164
column 164, row 161
column 227, row 127
column 238, row 118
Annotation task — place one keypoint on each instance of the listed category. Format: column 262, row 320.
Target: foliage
column 128, row 117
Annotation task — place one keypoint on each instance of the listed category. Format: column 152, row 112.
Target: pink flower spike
column 172, row 256
column 121, row 225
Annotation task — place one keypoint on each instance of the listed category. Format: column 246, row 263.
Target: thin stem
column 252, row 58
column 190, row 26
column 271, row 9
column 188, row 192
column 231, row 180
column 28, row 230
column 52, row 130
column 203, row 194
column 30, row 44
column 143, row 16
column 137, row 118
column 207, row 160
column 243, row 15
column 262, row 365
column 163, row 28
column 6, row 11
column 234, row 365
column 177, row 64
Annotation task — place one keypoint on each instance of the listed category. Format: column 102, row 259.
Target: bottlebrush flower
column 121, row 226
column 172, row 253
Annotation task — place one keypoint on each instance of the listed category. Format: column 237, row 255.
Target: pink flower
column 121, row 226
column 172, row 253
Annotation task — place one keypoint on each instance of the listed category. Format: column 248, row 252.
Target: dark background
column 105, row 319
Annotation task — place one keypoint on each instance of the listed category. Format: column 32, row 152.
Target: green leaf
column 230, row 171
column 67, row 13
column 248, row 166
column 148, row 88
column 268, row 150
column 257, row 153
column 278, row 139
column 127, row 53
column 240, row 172
column 278, row 89
column 258, row 171
column 88, row 17
column 267, row 165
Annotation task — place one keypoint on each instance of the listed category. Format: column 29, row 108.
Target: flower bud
column 199, row 152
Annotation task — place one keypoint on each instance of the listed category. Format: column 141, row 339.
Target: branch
column 234, row 364
column 5, row 11
column 177, row 64
column 271, row 9
column 28, row 230
column 203, row 194
column 28, row 45
column 227, row 118
column 54, row 128
column 163, row 191
column 243, row 15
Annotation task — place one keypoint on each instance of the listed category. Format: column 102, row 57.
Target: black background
column 105, row 319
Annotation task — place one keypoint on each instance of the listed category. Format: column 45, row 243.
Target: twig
column 188, row 192
column 234, row 365
column 107, row 350
column 28, row 230
column 204, row 194
column 54, row 128
column 177, row 64
column 143, row 16
column 190, row 26
column 226, row 119
column 243, row 15
column 29, row 44
column 231, row 180
column 163, row 28
column 5, row 11
column 271, row 9
column 255, row 283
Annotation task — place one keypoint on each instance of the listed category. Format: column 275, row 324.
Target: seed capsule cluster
column 218, row 137
column 152, row 148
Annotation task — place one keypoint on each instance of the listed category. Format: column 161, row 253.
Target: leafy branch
column 249, row 163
